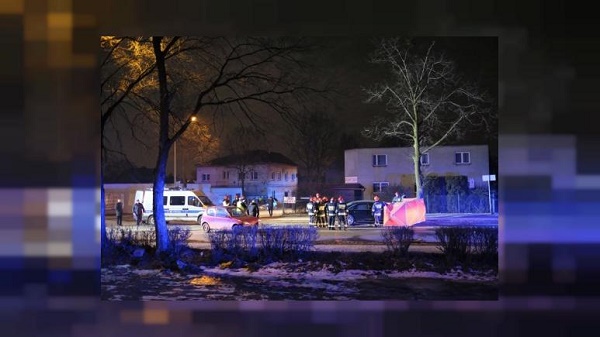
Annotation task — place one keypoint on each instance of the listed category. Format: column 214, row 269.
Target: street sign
column 289, row 200
column 489, row 177
column 351, row 180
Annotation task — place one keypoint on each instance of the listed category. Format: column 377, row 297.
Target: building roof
column 252, row 157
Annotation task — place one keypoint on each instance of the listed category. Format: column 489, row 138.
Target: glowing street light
column 192, row 119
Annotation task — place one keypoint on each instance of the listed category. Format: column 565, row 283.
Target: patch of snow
column 145, row 272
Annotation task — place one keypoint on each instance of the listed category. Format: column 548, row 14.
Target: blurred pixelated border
column 548, row 172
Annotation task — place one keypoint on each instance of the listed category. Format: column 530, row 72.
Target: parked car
column 359, row 212
column 226, row 217
column 185, row 205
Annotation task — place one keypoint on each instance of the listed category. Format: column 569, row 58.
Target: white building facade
column 270, row 175
column 377, row 168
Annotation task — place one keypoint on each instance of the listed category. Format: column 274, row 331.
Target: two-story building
column 264, row 174
column 377, row 168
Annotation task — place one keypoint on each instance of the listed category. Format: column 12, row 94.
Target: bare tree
column 250, row 77
column 314, row 140
column 128, row 68
column 243, row 145
column 427, row 101
column 197, row 145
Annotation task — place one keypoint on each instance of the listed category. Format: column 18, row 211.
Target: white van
column 183, row 205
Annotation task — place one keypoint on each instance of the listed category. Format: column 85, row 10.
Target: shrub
column 268, row 243
column 294, row 241
column 398, row 239
column 461, row 242
column 228, row 244
column 120, row 243
column 454, row 241
column 177, row 243
column 485, row 242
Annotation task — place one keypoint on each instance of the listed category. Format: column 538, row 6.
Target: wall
column 400, row 168
column 264, row 185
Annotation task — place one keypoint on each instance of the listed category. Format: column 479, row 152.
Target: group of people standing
column 378, row 205
column 323, row 212
column 137, row 210
column 252, row 208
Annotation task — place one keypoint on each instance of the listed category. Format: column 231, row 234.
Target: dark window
column 193, row 201
column 177, row 201
column 462, row 158
column 380, row 186
column 379, row 160
column 362, row 207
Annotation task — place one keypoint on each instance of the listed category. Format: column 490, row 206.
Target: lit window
column 380, row 160
column 462, row 158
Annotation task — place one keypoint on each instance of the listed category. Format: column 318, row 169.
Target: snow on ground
column 294, row 281
column 278, row 270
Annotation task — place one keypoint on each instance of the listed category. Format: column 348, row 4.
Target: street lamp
column 192, row 119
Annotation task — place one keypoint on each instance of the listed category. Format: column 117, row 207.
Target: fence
column 461, row 203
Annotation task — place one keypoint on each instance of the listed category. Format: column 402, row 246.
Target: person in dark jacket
column 341, row 213
column 138, row 211
column 398, row 197
column 331, row 210
column 119, row 212
column 253, row 208
column 270, row 204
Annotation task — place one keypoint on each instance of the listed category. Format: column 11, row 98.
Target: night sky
column 345, row 61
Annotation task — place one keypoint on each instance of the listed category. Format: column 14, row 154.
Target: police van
column 183, row 205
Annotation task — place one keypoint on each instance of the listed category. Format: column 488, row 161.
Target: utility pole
column 175, row 163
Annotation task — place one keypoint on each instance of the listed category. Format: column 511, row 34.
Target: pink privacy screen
column 405, row 213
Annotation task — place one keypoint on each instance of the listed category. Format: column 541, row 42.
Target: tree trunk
column 102, row 206
column 417, row 164
column 243, row 181
column 158, row 187
column 164, row 145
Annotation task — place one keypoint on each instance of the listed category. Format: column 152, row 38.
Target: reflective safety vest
column 378, row 208
column 310, row 208
column 331, row 209
column 341, row 208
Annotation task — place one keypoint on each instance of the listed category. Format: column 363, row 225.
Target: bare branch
column 426, row 101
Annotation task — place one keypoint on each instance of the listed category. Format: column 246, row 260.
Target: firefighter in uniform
column 331, row 208
column 377, row 211
column 341, row 213
column 310, row 209
column 321, row 213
